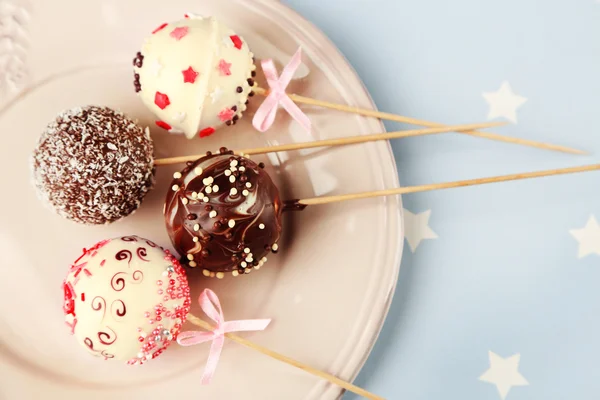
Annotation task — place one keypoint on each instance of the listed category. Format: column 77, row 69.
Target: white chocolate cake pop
column 126, row 299
column 194, row 75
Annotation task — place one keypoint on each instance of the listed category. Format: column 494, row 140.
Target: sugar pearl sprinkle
column 245, row 192
column 231, row 223
column 177, row 175
column 175, row 188
column 198, row 170
column 212, row 214
column 233, row 191
column 261, row 226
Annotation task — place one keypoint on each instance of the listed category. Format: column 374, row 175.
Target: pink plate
column 328, row 289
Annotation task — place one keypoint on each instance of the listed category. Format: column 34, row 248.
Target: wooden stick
column 339, row 142
column 437, row 186
column 324, row 375
column 413, row 121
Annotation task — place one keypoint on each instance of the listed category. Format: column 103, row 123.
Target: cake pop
column 195, row 75
column 223, row 214
column 93, row 165
column 126, row 299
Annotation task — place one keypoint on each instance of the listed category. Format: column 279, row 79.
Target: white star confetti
column 504, row 103
column 503, row 373
column 588, row 238
column 417, row 228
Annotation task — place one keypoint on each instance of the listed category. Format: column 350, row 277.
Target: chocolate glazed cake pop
column 223, row 214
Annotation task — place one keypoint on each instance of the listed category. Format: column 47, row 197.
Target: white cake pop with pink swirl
column 126, row 299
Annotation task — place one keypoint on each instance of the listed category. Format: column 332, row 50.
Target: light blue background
column 504, row 275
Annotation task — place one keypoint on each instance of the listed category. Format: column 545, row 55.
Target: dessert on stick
column 223, row 214
column 126, row 299
column 195, row 75
column 93, row 165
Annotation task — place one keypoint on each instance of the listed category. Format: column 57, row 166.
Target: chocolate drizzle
column 237, row 210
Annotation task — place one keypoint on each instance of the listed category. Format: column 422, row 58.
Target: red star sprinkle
column 189, row 75
column 206, row 132
column 160, row 28
column 224, row 67
column 237, row 42
column 180, row 32
column 226, row 114
column 161, row 100
column 164, row 125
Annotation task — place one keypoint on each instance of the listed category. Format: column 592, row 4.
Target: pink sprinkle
column 237, row 42
column 224, row 67
column 189, row 75
column 161, row 100
column 164, row 125
column 102, row 263
column 180, row 32
column 206, row 132
column 160, row 28
column 226, row 114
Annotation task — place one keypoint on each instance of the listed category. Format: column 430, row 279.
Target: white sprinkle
column 275, row 247
column 195, row 239
column 198, row 170
column 243, row 264
column 140, row 355
column 235, row 273
column 208, row 189
column 208, row 181
column 263, row 260
column 245, row 192
column 123, row 159
column 242, row 169
column 220, row 275
column 212, row 214
column 215, row 188
column 175, row 188
column 233, row 192
column 227, row 172
column 257, row 266
column 233, row 169
column 232, row 179
column 205, row 199
column 194, row 195
column 231, row 223
column 247, row 250
column 177, row 175
column 261, row 226
column 197, row 227
column 248, row 185
column 190, row 257
column 249, row 259
column 185, row 201
column 111, row 146
column 205, row 272
column 233, row 163
column 192, row 264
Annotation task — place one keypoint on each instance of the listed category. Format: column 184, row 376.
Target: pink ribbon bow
column 265, row 115
column 209, row 302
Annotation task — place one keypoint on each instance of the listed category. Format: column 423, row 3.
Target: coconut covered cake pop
column 195, row 75
column 126, row 299
column 93, row 165
column 223, row 214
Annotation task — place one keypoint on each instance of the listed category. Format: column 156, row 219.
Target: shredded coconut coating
column 93, row 165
